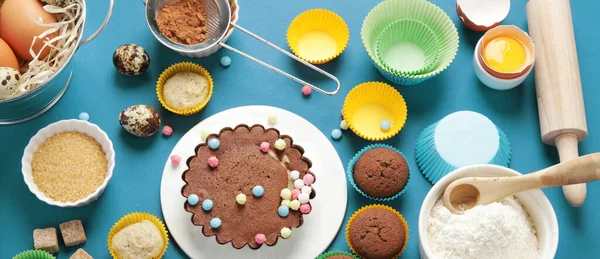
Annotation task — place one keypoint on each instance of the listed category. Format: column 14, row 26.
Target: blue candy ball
column 283, row 211
column 385, row 125
column 84, row 116
column 225, row 61
column 215, row 223
column 258, row 191
column 336, row 134
column 207, row 205
column 193, row 199
column 214, row 143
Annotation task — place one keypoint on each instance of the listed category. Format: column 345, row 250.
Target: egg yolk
column 504, row 54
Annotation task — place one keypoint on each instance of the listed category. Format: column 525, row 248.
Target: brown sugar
column 184, row 21
column 69, row 166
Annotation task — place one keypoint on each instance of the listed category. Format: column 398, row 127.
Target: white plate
column 320, row 226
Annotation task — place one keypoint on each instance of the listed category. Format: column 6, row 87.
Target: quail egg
column 140, row 120
column 9, row 82
column 131, row 59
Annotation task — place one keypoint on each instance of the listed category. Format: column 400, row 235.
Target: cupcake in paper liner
column 369, row 245
column 34, row 254
column 435, row 18
column 379, row 172
column 134, row 226
column 407, row 47
column 337, row 255
column 318, row 36
column 184, row 88
column 460, row 139
column 375, row 111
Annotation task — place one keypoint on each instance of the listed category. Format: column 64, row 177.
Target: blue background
column 99, row 90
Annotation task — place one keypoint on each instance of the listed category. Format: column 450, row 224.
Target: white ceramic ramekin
column 82, row 126
column 535, row 203
column 492, row 81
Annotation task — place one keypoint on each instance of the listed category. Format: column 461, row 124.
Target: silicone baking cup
column 334, row 253
column 460, row 139
column 398, row 47
column 370, row 103
column 404, row 224
column 435, row 18
column 133, row 218
column 352, row 163
column 34, row 254
column 318, row 36
column 177, row 68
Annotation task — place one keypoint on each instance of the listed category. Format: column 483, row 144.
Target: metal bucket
column 39, row 100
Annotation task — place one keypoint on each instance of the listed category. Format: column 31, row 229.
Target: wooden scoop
column 469, row 192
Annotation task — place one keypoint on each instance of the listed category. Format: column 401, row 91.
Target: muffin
column 137, row 241
column 379, row 172
column 337, row 255
column 185, row 90
column 377, row 232
column 248, row 186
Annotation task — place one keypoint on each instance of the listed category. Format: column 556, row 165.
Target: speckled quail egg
column 131, row 59
column 9, row 82
column 140, row 120
column 59, row 3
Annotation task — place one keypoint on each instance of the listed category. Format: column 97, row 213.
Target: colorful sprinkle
column 240, row 199
column 207, row 205
column 305, row 208
column 280, row 144
column 303, row 198
column 286, row 233
column 225, row 61
column 260, row 239
column 336, row 134
column 264, row 147
column 306, row 90
column 214, row 143
column 294, row 205
column 385, row 125
column 294, row 175
column 306, row 189
column 298, row 183
column 215, row 223
column 283, row 211
column 193, row 199
column 296, row 193
column 175, row 159
column 213, row 161
column 286, row 194
column 205, row 134
column 84, row 116
column 167, row 130
column 308, row 179
column 285, row 203
column 272, row 119
column 258, row 191
column 344, row 125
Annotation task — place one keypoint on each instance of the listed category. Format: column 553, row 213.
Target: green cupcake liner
column 34, row 254
column 333, row 253
column 389, row 11
column 412, row 34
column 350, row 172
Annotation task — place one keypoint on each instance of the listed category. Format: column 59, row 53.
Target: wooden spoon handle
column 579, row 170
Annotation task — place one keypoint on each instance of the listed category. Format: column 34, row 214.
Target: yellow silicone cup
column 318, row 36
column 370, row 103
column 177, row 68
column 133, row 218
column 404, row 224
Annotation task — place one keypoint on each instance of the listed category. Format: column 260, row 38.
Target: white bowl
column 535, row 203
column 61, row 126
column 492, row 81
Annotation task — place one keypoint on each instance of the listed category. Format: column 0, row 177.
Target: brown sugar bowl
column 79, row 140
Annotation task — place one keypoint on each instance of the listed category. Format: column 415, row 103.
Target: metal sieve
column 219, row 20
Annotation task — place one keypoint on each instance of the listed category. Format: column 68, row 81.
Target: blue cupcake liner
column 433, row 167
column 350, row 172
column 401, row 80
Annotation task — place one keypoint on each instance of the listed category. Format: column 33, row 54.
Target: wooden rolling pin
column 557, row 81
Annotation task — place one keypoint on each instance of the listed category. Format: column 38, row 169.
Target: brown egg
column 7, row 56
column 18, row 29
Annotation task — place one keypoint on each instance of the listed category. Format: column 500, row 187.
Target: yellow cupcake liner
column 177, row 68
column 368, row 104
column 373, row 206
column 133, row 218
column 310, row 36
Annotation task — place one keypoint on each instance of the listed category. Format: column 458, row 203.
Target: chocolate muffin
column 381, row 172
column 245, row 161
column 377, row 233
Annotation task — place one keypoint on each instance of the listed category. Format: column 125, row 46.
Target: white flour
column 500, row 230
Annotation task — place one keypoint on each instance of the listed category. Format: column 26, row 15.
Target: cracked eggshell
column 9, row 82
column 479, row 15
column 516, row 33
column 140, row 120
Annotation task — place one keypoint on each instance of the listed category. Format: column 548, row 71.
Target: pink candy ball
column 306, row 90
column 296, row 193
column 264, row 147
column 305, row 208
column 167, row 130
column 213, row 161
column 308, row 179
column 175, row 159
column 260, row 239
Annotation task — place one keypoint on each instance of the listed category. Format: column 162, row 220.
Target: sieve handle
column 111, row 4
column 313, row 67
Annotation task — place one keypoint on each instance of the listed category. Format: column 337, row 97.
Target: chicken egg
column 7, row 56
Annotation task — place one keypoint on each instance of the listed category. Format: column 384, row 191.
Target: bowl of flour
column 519, row 226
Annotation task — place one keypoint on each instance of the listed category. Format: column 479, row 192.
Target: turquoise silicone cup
column 332, row 253
column 433, row 167
column 350, row 172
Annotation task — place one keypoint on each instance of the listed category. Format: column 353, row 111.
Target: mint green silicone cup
column 407, row 47
column 34, row 254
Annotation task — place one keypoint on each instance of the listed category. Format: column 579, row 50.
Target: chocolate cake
column 244, row 158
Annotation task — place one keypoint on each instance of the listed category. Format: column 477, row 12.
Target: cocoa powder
column 183, row 21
